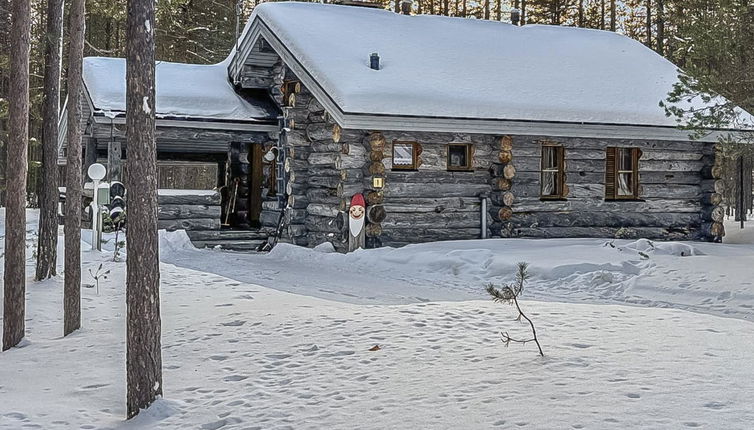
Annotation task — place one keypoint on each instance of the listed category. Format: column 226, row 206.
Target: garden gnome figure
column 356, row 216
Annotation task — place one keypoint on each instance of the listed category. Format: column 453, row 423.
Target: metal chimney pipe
column 406, row 7
column 374, row 61
column 515, row 16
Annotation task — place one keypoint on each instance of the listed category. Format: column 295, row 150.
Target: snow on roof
column 182, row 91
column 465, row 68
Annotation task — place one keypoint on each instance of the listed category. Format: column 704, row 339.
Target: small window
column 622, row 173
column 460, row 156
column 404, row 155
column 553, row 172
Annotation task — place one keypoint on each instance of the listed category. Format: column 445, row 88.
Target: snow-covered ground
column 282, row 340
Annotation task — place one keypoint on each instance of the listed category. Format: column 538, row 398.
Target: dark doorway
column 242, row 192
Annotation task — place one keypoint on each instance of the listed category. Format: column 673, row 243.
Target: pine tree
column 73, row 193
column 661, row 27
column 716, row 55
column 143, row 354
column 48, row 196
column 649, row 23
column 14, row 278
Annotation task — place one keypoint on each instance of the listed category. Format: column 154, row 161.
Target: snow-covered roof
column 435, row 66
column 190, row 91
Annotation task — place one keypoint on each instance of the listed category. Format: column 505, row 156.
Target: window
column 622, row 173
column 405, row 155
column 553, row 172
column 289, row 89
column 460, row 156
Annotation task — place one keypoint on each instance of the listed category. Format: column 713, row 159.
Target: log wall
column 186, row 211
column 324, row 167
column 673, row 189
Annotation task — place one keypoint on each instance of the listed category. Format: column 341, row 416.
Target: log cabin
column 451, row 128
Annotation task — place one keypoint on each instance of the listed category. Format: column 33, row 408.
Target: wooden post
column 741, row 207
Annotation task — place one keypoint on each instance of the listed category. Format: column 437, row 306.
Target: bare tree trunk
column 143, row 350
column 581, row 13
column 661, row 27
column 486, row 9
column 4, row 45
column 73, row 183
column 613, row 24
column 649, row 23
column 523, row 12
column 48, row 196
column 14, row 277
column 602, row 14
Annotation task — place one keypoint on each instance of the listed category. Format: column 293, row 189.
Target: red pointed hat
column 357, row 200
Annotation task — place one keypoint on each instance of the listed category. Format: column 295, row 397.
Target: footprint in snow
column 234, row 378
column 236, row 323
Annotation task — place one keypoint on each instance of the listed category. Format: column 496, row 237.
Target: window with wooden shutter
column 552, row 176
column 622, row 173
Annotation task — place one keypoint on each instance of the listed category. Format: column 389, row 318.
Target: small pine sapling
column 509, row 294
column 98, row 274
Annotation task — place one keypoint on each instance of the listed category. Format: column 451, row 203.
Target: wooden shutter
column 561, row 171
column 610, row 172
column 635, row 155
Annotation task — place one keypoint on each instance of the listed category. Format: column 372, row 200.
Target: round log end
column 373, row 230
column 376, row 141
column 375, row 197
column 502, row 184
column 508, row 199
column 376, row 214
column 505, row 213
column 509, row 172
column 506, row 143
column 377, row 168
column 505, row 157
column 336, row 130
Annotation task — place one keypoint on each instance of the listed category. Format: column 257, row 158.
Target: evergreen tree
column 717, row 59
